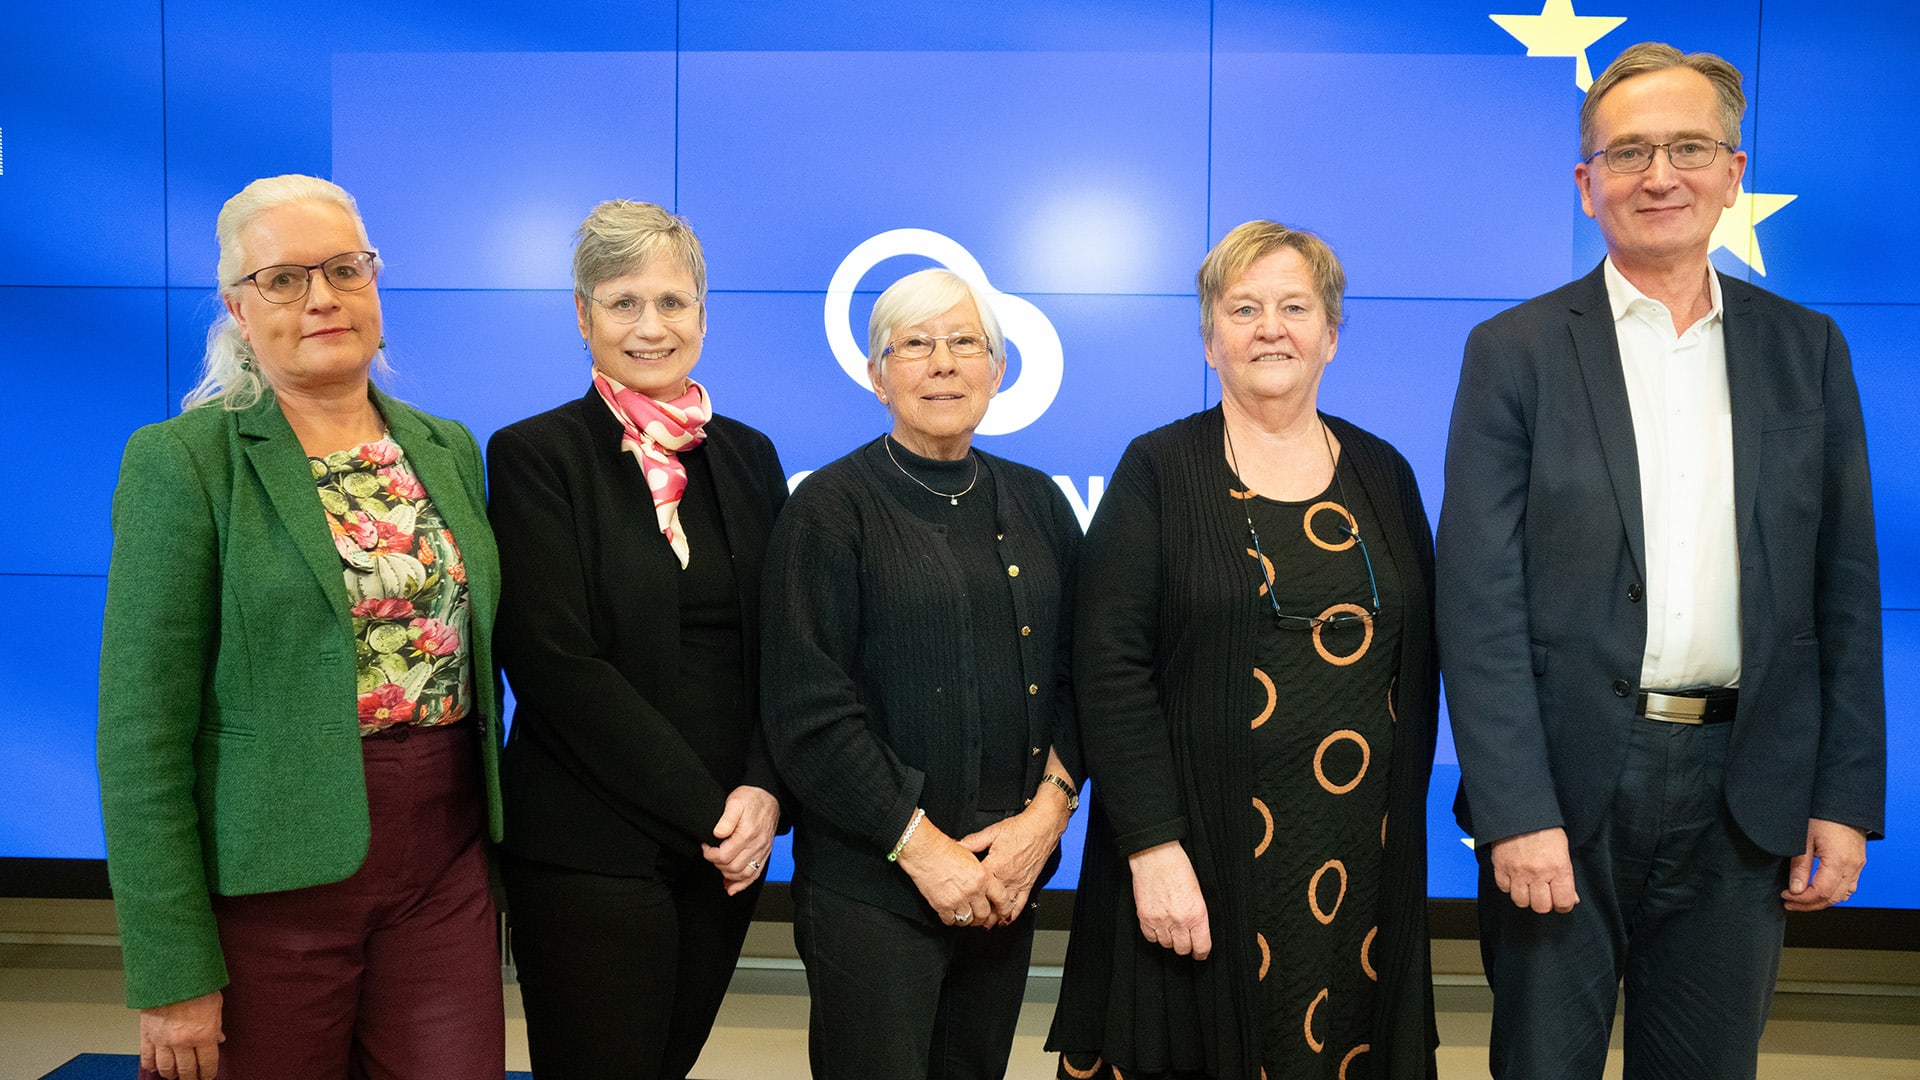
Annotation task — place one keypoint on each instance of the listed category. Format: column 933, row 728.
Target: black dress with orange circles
column 1320, row 752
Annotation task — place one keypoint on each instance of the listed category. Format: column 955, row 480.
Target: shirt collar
column 1624, row 297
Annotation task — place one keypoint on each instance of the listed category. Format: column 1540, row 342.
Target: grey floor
column 57, row 1001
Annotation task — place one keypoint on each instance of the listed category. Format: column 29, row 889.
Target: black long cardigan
column 1161, row 673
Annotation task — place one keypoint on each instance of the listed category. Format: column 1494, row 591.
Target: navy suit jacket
column 1541, row 567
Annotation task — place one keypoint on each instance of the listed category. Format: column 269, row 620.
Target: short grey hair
column 228, row 376
column 923, row 295
column 1651, row 56
column 620, row 236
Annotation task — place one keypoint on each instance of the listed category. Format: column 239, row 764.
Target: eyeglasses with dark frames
column 286, row 283
column 1334, row 618
column 1330, row 620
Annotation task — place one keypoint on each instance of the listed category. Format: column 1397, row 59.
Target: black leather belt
column 1688, row 706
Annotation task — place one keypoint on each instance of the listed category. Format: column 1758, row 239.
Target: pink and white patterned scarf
column 655, row 433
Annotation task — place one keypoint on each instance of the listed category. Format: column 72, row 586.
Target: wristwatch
column 1073, row 795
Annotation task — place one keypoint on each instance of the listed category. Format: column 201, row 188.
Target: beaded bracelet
column 918, row 816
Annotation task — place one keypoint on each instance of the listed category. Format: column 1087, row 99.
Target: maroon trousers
column 394, row 973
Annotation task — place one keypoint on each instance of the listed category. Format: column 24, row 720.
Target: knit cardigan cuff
column 901, row 812
column 1152, row 836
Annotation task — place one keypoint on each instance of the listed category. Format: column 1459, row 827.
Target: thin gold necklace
column 953, row 498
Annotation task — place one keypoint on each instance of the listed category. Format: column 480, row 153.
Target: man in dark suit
column 1659, row 613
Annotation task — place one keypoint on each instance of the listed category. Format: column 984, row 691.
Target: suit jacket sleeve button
column 1635, row 592
column 1620, row 688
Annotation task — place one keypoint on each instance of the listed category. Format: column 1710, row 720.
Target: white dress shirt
column 1683, row 438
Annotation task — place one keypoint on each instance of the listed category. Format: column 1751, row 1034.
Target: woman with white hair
column 641, row 807
column 918, row 705
column 298, row 714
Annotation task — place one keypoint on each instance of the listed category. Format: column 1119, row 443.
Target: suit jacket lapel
column 1743, row 395
column 1597, row 350
column 281, row 465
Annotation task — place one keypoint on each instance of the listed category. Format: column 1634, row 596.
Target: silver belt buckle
column 1673, row 709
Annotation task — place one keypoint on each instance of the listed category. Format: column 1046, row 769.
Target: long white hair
column 228, row 375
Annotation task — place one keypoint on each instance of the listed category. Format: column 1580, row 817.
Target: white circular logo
column 1042, row 360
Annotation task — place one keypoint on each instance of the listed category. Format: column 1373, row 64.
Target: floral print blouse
column 407, row 586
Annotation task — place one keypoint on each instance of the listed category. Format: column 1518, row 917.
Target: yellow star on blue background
column 1735, row 230
column 1557, row 31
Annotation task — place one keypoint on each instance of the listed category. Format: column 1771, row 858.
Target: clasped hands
column 745, row 830
column 984, row 878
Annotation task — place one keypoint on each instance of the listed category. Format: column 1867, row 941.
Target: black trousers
column 901, row 999
column 622, row 977
column 1674, row 901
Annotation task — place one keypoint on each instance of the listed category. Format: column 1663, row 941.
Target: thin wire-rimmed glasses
column 286, row 283
column 961, row 344
column 1681, row 154
column 625, row 308
column 1337, row 617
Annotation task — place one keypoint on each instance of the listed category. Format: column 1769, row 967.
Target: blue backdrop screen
column 1081, row 157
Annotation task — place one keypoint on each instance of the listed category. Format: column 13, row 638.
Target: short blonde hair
column 619, row 237
column 1651, row 56
column 1251, row 241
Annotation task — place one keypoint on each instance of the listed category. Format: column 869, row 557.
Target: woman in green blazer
column 298, row 713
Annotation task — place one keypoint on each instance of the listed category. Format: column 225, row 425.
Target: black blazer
column 1542, row 561
column 594, row 776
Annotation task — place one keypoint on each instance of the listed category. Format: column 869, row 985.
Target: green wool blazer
column 229, row 743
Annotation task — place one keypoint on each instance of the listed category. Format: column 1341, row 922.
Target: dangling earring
column 246, row 355
column 383, row 344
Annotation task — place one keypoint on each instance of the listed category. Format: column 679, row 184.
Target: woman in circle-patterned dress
column 1319, row 801
column 1256, row 682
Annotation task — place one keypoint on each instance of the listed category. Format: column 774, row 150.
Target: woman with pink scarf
column 641, row 805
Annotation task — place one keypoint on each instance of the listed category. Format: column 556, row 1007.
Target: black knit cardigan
column 1162, row 674
column 870, row 695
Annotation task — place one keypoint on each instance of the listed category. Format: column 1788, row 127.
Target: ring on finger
column 753, row 865
column 962, row 918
